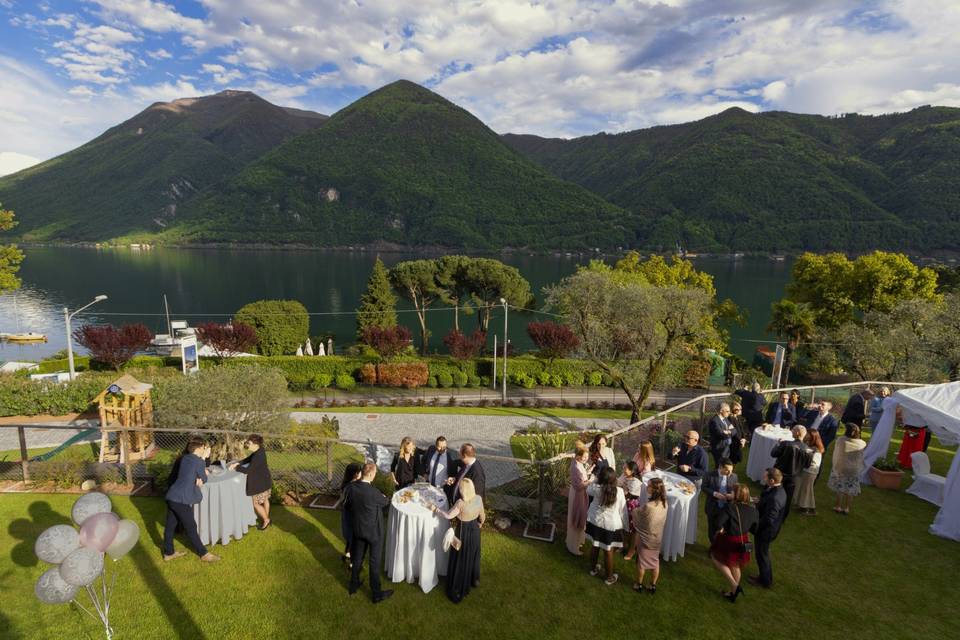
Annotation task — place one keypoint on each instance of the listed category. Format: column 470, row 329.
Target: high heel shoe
column 732, row 597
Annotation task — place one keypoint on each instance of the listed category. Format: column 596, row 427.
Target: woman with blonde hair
column 403, row 469
column 803, row 495
column 648, row 522
column 463, row 569
column 644, row 457
column 730, row 550
column 581, row 475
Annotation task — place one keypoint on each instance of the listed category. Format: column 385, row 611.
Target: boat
column 25, row 338
column 778, row 257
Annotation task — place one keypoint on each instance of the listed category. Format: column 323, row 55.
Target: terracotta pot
column 885, row 479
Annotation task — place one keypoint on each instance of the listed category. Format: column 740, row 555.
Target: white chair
column 926, row 485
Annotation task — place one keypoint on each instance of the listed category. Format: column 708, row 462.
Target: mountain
column 403, row 165
column 776, row 181
column 136, row 176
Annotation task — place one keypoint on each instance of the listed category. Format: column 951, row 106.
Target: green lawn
column 871, row 574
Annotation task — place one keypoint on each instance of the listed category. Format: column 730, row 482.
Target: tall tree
column 488, row 281
column 941, row 335
column 378, row 306
column 794, row 322
column 10, row 256
column 630, row 329
column 416, row 280
column 552, row 339
column 454, row 288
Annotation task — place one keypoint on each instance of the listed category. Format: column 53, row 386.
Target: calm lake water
column 211, row 284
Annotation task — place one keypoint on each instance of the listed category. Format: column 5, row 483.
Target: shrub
column 485, row 381
column 606, row 379
column 281, row 325
column 368, row 373
column 25, row 397
column 459, row 379
column 389, row 342
column 300, row 371
column 402, row 374
column 552, row 339
column 473, row 381
column 113, row 345
column 321, row 381
column 445, row 380
column 595, row 379
column 463, row 347
column 345, row 381
column 225, row 339
column 573, row 378
column 556, row 380
column 432, row 382
column 543, row 378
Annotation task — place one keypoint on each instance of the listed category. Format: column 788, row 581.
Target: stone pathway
column 489, row 434
column 41, row 437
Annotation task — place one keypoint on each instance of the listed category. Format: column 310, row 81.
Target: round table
column 415, row 536
column 226, row 510
column 680, row 528
column 763, row 442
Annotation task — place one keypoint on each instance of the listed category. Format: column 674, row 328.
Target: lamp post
column 67, row 316
column 503, row 395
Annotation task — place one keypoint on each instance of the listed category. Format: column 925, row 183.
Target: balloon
column 128, row 533
column 98, row 531
column 81, row 567
column 51, row 588
column 88, row 505
column 56, row 543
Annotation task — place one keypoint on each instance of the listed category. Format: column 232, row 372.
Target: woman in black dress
column 403, row 469
column 350, row 474
column 259, row 482
column 463, row 570
column 730, row 549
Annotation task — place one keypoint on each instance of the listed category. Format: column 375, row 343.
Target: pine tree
column 378, row 304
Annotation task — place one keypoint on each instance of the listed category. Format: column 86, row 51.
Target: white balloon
column 52, row 589
column 128, row 533
column 56, row 543
column 81, row 567
column 89, row 504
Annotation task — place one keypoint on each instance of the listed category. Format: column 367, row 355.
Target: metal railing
column 306, row 466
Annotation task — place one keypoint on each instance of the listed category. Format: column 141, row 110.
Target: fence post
column 813, row 394
column 663, row 437
column 703, row 412
column 538, row 520
column 125, row 453
column 330, row 462
column 24, row 460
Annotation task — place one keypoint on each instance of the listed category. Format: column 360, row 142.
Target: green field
column 868, row 575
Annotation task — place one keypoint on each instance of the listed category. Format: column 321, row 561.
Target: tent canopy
column 937, row 407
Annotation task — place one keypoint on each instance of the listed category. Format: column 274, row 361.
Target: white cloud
column 82, row 91
column 11, row 162
column 160, row 54
column 165, row 91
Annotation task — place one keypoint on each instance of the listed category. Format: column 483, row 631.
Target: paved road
column 39, row 437
column 489, row 434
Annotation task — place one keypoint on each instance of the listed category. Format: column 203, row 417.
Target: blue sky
column 71, row 69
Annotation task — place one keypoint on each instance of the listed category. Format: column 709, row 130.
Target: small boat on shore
column 23, row 338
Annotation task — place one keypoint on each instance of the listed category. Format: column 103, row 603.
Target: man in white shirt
column 437, row 463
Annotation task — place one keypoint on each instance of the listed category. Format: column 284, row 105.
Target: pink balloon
column 98, row 531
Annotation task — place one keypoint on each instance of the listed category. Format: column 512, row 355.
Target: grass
column 870, row 574
column 484, row 411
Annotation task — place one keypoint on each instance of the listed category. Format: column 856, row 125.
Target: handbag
column 743, row 547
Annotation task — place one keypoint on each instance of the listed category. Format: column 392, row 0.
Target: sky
column 71, row 69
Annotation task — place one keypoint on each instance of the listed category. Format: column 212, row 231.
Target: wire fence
column 308, row 462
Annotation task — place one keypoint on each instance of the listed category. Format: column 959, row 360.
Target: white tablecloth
column 226, row 510
column 760, row 447
column 415, row 537
column 681, row 526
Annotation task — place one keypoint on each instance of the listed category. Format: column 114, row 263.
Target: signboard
column 777, row 367
column 188, row 351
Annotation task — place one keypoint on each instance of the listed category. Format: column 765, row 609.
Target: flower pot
column 885, row 479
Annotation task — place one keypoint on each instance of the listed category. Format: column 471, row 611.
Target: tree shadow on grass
column 147, row 557
column 26, row 530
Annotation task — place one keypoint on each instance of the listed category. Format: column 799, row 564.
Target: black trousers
column 789, row 486
column 177, row 512
column 761, row 548
column 358, row 550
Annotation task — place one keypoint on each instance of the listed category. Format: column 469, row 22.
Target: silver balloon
column 81, row 567
column 56, row 543
column 88, row 505
column 128, row 533
column 52, row 589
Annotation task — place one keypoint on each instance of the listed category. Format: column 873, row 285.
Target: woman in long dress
column 581, row 475
column 803, row 496
column 463, row 570
column 847, row 465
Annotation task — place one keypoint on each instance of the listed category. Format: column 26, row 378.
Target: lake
column 211, row 284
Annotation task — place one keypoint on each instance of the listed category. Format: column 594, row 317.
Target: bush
column 402, row 374
column 281, row 325
column 485, row 381
column 595, row 379
column 432, row 382
column 464, row 347
column 554, row 340
column 521, row 379
column 25, row 397
column 111, row 345
column 473, row 381
column 573, row 378
column 459, row 379
column 445, row 380
column 556, row 380
column 321, row 381
column 300, row 371
column 389, row 342
column 368, row 374
column 345, row 381
column 543, row 378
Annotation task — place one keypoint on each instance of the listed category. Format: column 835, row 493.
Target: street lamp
column 503, row 395
column 66, row 316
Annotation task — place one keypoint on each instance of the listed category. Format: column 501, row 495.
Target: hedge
column 25, row 397
column 281, row 325
column 301, row 372
column 83, row 363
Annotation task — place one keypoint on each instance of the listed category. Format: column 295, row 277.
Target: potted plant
column 886, row 473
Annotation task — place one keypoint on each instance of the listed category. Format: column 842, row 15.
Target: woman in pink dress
column 646, row 461
column 577, row 503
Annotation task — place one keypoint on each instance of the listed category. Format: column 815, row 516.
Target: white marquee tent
column 938, row 407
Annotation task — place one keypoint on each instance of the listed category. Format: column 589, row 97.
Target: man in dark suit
column 792, row 458
column 468, row 467
column 818, row 418
column 780, row 413
column 437, row 465
column 856, row 409
column 722, row 434
column 718, row 489
column 365, row 504
column 691, row 458
column 753, row 403
column 772, row 503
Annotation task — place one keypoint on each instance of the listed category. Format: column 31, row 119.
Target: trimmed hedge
column 25, row 397
column 281, row 325
column 83, row 363
column 301, row 372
